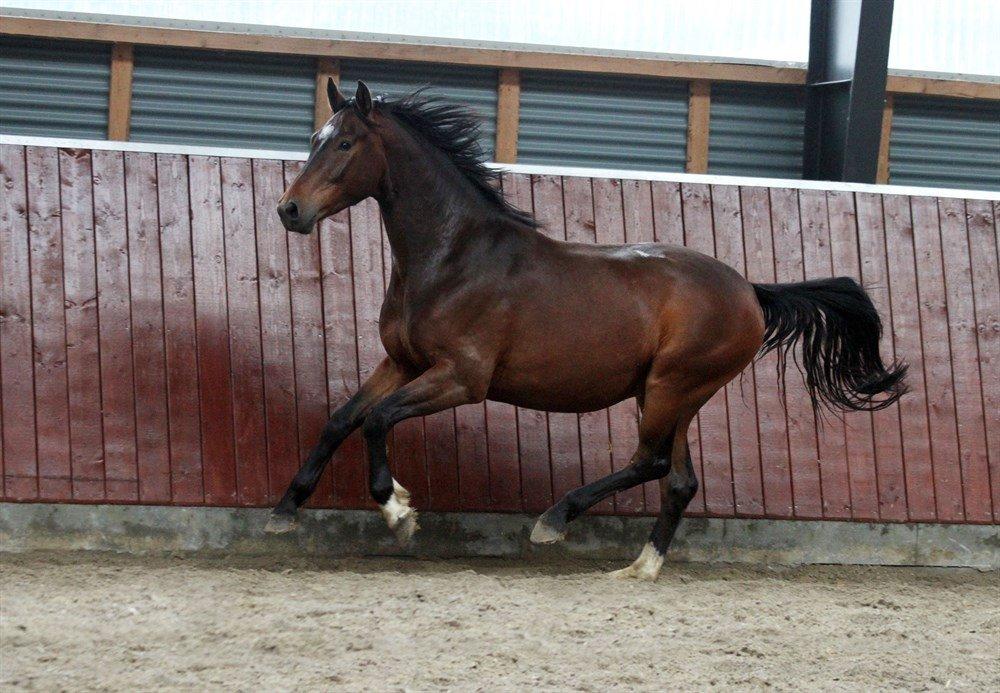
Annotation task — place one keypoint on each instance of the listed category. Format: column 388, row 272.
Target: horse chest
column 398, row 334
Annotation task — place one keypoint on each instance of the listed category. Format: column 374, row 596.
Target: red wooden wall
column 164, row 340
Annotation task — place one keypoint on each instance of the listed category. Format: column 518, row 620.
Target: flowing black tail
column 839, row 329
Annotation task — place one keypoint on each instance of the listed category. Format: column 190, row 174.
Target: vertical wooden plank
column 858, row 430
column 277, row 345
column 609, row 228
column 304, row 265
column 806, row 485
column 244, row 332
column 48, row 324
column 83, row 366
column 120, row 91
column 16, row 352
column 326, row 69
column 532, row 425
column 889, row 460
column 882, row 171
column 505, row 473
column 564, row 429
column 369, row 288
column 502, row 452
column 637, row 206
column 982, row 227
column 668, row 227
column 932, row 306
column 347, row 465
column 441, row 452
column 699, row 107
column 114, row 309
column 772, row 427
column 508, row 114
column 969, row 410
column 595, row 436
column 909, row 346
column 668, row 215
column 818, row 263
column 152, row 441
column 406, row 442
column 180, row 340
column 741, row 405
column 212, row 331
column 713, row 424
column 473, row 457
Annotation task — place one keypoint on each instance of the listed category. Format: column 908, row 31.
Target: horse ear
column 363, row 98
column 337, row 100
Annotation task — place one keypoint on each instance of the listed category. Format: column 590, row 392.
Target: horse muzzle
column 295, row 218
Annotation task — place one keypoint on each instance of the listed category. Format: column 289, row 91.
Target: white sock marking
column 649, row 562
column 398, row 505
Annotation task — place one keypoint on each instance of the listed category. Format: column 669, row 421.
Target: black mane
column 454, row 130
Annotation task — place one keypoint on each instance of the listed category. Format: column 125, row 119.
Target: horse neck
column 430, row 211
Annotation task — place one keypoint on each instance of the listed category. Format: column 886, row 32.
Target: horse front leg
column 386, row 379
column 436, row 389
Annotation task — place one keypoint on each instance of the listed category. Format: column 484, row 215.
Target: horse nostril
column 291, row 210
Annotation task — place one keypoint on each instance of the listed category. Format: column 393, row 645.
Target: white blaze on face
column 327, row 131
column 398, row 505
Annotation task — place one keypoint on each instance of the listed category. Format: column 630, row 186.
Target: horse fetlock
column 401, row 518
column 646, row 567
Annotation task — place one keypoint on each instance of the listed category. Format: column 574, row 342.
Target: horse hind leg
column 651, row 461
column 677, row 489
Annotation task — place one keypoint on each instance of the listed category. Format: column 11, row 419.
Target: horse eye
column 344, row 146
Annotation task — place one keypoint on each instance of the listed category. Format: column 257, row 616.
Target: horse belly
column 577, row 376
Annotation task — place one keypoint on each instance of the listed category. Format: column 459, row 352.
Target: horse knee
column 680, row 486
column 655, row 467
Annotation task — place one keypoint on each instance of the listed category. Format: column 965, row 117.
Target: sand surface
column 86, row 621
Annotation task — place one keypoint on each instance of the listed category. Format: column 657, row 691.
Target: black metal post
column 845, row 88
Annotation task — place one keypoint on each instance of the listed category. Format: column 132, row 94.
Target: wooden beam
column 120, row 92
column 899, row 84
column 508, row 115
column 326, row 68
column 384, row 50
column 460, row 55
column 882, row 174
column 699, row 110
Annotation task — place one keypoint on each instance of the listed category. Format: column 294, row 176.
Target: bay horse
column 481, row 305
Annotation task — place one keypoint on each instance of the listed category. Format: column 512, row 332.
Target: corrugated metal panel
column 222, row 98
column 54, row 88
column 952, row 143
column 756, row 131
column 603, row 121
column 475, row 87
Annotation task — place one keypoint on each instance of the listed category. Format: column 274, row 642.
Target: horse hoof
column 280, row 524
column 546, row 534
column 406, row 526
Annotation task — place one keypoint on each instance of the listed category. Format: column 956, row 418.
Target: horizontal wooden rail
column 487, row 57
column 461, row 55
